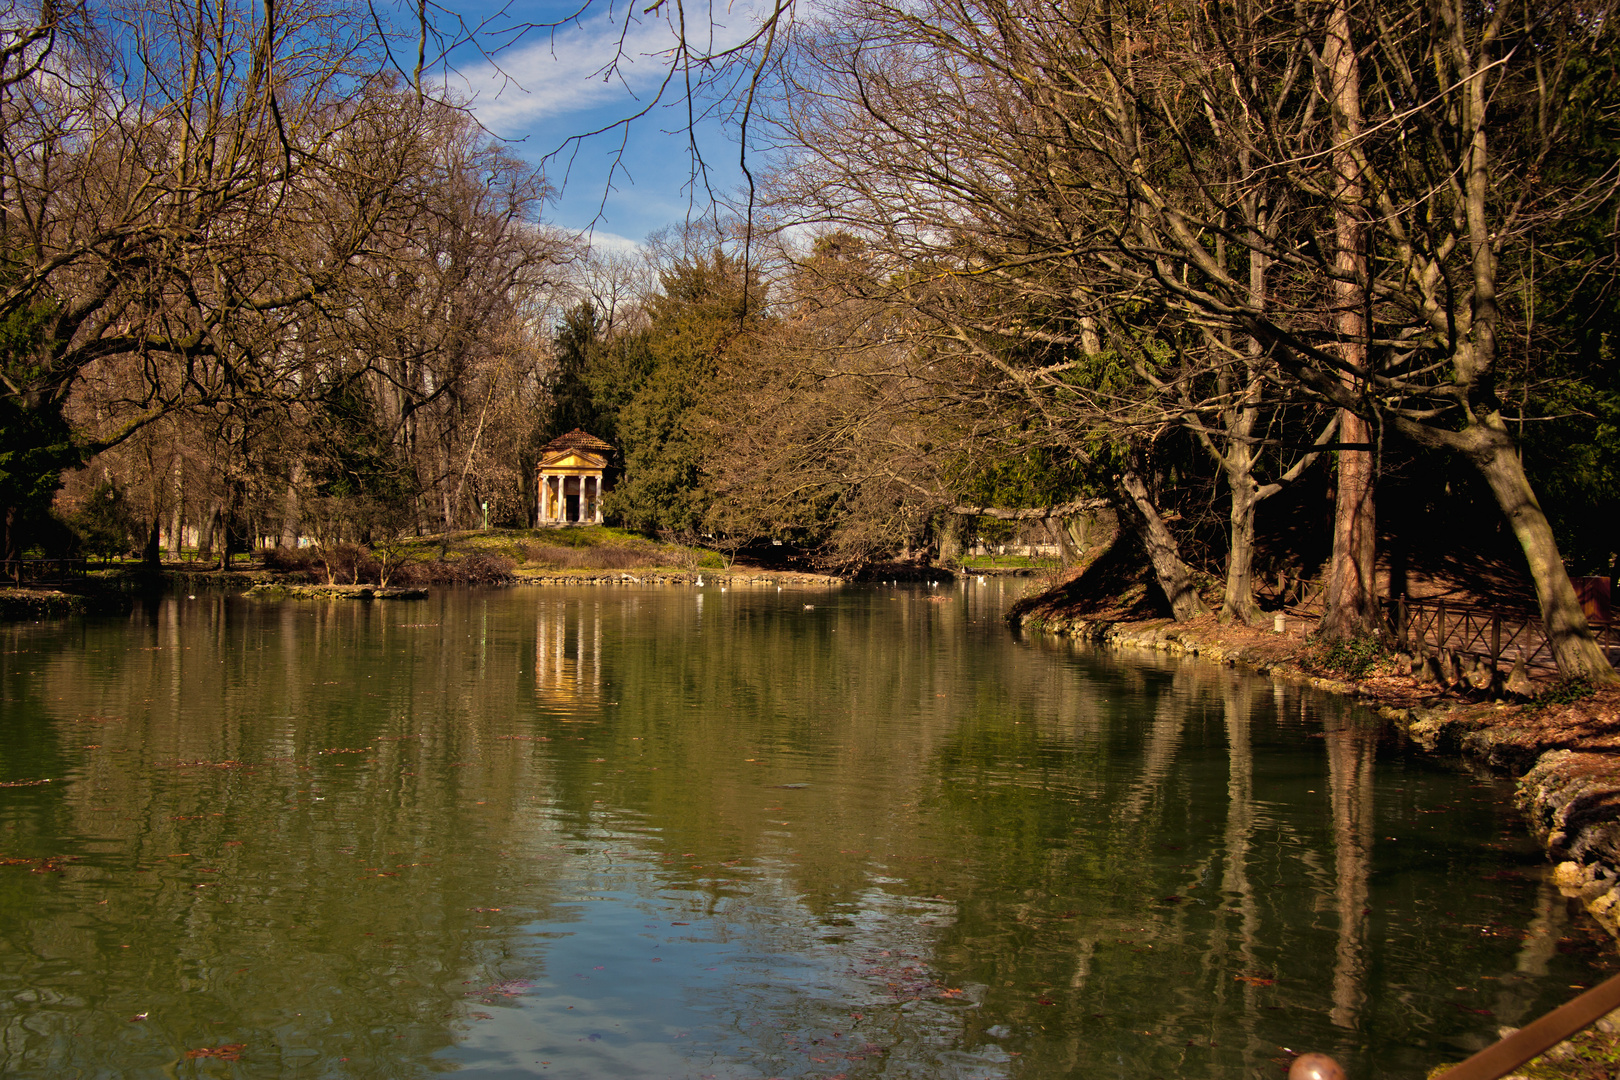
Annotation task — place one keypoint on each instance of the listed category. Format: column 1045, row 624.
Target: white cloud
column 613, row 243
column 563, row 72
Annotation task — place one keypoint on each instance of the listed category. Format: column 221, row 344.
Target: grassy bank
column 475, row 557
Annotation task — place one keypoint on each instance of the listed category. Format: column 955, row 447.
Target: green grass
column 583, row 548
column 1008, row 562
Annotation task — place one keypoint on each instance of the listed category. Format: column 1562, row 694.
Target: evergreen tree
column 663, row 429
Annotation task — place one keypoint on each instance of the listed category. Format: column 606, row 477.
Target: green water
column 624, row 832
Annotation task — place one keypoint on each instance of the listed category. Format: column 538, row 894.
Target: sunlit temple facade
column 570, row 471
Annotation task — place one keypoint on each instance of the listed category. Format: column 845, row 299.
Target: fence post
column 1400, row 620
column 1440, row 626
column 1496, row 640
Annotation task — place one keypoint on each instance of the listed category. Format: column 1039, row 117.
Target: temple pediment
column 573, row 459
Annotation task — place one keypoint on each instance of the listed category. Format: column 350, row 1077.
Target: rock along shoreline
column 1565, row 757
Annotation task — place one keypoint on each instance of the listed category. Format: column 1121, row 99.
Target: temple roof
column 577, row 440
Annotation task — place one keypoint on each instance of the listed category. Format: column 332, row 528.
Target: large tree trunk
column 151, row 556
column 209, row 533
column 292, row 516
column 1172, row 574
column 1352, row 597
column 1238, row 605
column 1493, row 452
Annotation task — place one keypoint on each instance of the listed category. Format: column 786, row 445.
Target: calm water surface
column 625, row 832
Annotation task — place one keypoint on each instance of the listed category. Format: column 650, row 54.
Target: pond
column 671, row 832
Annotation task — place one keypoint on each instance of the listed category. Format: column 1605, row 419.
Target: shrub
column 1565, row 691
column 291, row 559
column 484, row 569
column 618, row 557
column 606, row 557
column 347, row 564
column 475, row 569
column 1350, row 656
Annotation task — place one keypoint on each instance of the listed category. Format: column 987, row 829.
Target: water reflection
column 1350, row 783
column 568, row 655
column 617, row 833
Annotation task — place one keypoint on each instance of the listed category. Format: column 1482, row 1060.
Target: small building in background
column 570, row 479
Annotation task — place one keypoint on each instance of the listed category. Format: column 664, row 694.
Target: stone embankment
column 1564, row 755
column 282, row 591
column 718, row 579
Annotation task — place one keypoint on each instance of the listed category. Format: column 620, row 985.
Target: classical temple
column 570, row 475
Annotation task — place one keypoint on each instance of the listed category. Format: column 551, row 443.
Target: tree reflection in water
column 625, row 834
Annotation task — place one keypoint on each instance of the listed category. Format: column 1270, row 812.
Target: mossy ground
column 1593, row 1054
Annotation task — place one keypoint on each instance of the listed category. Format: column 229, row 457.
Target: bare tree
column 1087, row 158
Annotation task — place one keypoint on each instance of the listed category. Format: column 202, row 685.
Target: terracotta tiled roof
column 577, row 440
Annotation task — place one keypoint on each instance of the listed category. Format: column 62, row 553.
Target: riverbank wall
column 1564, row 755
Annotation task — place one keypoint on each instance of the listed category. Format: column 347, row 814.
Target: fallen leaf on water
column 47, row 865
column 138, row 1016
column 228, row 1052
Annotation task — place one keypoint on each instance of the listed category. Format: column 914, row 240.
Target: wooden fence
column 41, row 571
column 1473, row 630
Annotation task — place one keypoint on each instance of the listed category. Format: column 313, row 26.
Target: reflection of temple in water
column 568, row 655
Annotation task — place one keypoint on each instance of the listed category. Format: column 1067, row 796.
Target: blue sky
column 549, row 86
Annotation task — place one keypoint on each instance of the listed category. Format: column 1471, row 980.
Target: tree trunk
column 1172, row 574
column 177, row 515
column 1238, row 605
column 1352, row 599
column 8, row 543
column 291, row 509
column 1493, row 453
column 207, row 535
column 1059, row 531
column 950, row 537
column 151, row 558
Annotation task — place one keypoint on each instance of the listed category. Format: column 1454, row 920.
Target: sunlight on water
column 648, row 832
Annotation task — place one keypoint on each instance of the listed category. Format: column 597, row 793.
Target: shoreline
column 1565, row 757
